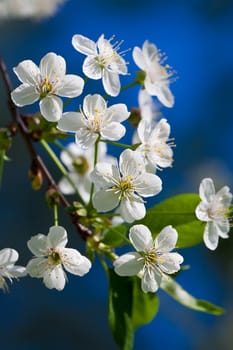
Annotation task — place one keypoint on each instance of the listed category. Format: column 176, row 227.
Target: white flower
column 152, row 259
column 102, row 61
column 80, row 163
column 124, row 186
column 149, row 110
column 8, row 269
column 44, row 83
column 28, row 8
column 157, row 76
column 95, row 120
column 51, row 257
column 154, row 148
column 214, row 209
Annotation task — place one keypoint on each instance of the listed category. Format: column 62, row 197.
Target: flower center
column 151, row 258
column 55, row 257
column 124, row 187
column 106, row 59
column 81, row 165
column 46, row 87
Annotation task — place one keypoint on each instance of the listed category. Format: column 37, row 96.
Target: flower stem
column 55, row 213
column 122, row 145
column 95, row 161
column 59, row 166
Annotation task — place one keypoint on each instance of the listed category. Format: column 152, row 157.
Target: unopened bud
column 135, row 117
column 52, row 197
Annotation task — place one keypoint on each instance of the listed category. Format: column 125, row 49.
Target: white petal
column 51, row 108
column 151, row 280
column 111, row 83
column 165, row 96
column 118, row 65
column 93, row 104
column 38, row 245
column 53, row 66
column 66, row 187
column 55, row 278
column 84, row 45
column 17, row 271
column 148, row 185
column 131, row 163
column 74, row 262
column 36, row 267
column 211, row 236
column 113, row 131
column 71, row 121
column 104, row 174
column 24, row 95
column 223, row 228
column 91, row 68
column 201, row 211
column 57, row 237
column 129, row 264
column 27, row 72
column 117, row 113
column 207, row 189
column 85, row 138
column 132, row 210
column 150, row 52
column 71, row 86
column 141, row 238
column 139, row 58
column 166, row 240
column 105, row 200
column 8, row 256
column 224, row 196
column 171, row 262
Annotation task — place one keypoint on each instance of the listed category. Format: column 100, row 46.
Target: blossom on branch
column 102, row 62
column 153, row 257
column 157, row 76
column 51, row 258
column 214, row 209
column 95, row 119
column 44, row 83
column 124, row 186
column 8, row 269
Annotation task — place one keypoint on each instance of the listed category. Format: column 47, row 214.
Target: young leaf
column 184, row 298
column 129, row 308
column 145, row 305
column 178, row 211
column 120, row 310
column 115, row 236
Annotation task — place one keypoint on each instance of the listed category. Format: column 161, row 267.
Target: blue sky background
column 197, row 36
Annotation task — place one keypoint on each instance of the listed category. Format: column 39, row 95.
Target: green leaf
column 120, row 310
column 178, row 211
column 179, row 294
column 115, row 236
column 145, row 305
column 129, row 308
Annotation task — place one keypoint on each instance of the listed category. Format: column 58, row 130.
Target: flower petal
column 206, row 189
column 224, row 196
column 38, row 245
column 93, row 104
column 36, row 267
column 51, row 108
column 74, row 262
column 132, row 210
column 129, row 264
column 170, row 262
column 84, row 45
column 91, row 68
column 165, row 96
column 27, row 72
column 139, row 58
column 105, row 174
column 117, row 113
column 148, row 185
column 57, row 237
column 8, row 256
column 113, row 131
column 211, row 236
column 105, row 200
column 151, row 280
column 71, row 121
column 141, row 238
column 166, row 240
column 53, row 66
column 17, row 271
column 201, row 211
column 24, row 95
column 223, row 227
column 131, row 163
column 55, row 278
column 71, row 86
column 111, row 83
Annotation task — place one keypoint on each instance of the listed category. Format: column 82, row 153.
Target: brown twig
column 85, row 232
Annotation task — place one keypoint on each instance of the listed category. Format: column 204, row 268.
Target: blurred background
column 197, row 36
